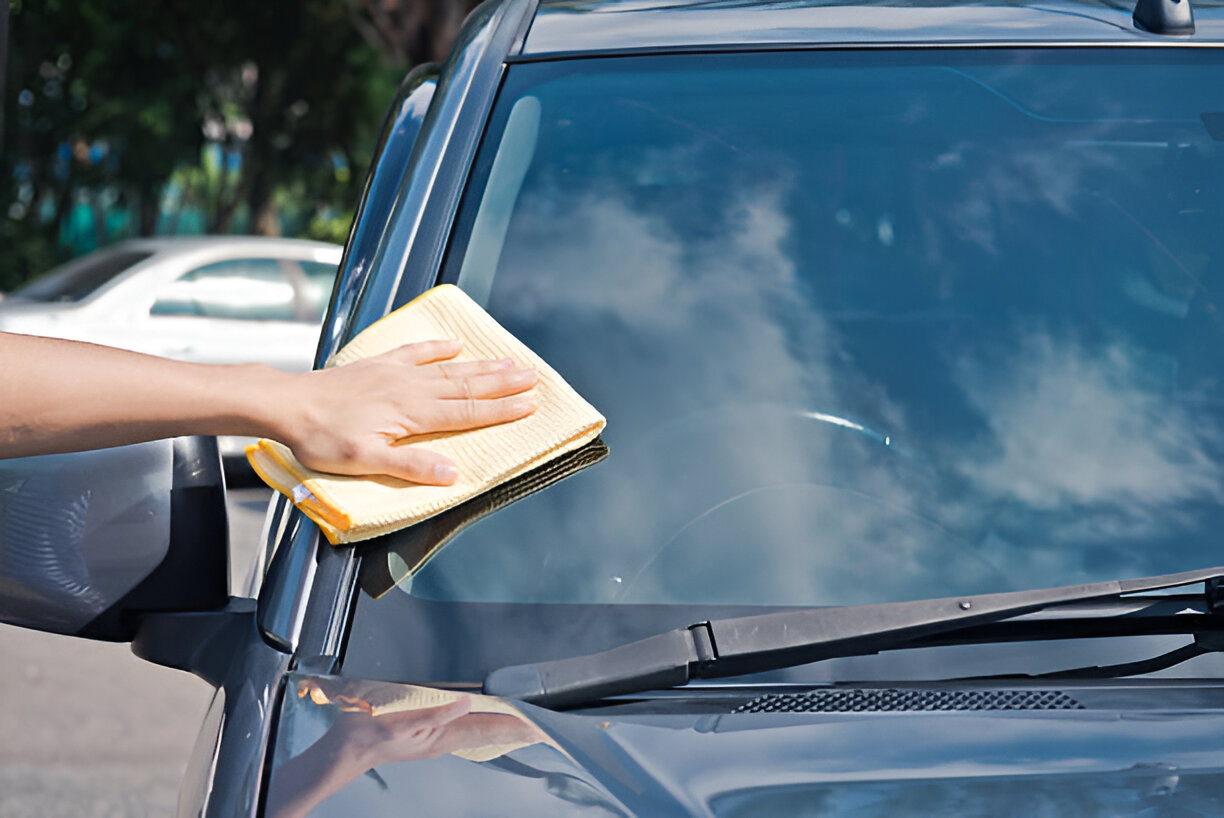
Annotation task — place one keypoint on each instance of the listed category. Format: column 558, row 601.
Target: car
column 207, row 299
column 905, row 322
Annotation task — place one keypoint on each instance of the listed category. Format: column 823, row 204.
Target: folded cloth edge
column 264, row 460
column 291, row 479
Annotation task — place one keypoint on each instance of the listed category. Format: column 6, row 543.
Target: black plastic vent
column 862, row 700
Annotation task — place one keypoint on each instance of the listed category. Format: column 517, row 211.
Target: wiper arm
column 752, row 644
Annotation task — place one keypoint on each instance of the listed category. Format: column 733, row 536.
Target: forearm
column 58, row 396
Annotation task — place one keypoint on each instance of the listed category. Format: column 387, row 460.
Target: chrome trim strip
column 952, row 45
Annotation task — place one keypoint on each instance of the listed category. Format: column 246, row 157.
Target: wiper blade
column 753, row 644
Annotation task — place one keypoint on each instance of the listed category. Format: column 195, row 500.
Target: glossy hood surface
column 358, row 748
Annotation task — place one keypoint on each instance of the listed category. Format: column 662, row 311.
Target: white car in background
column 208, row 299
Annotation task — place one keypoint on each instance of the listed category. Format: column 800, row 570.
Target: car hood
column 16, row 313
column 1150, row 750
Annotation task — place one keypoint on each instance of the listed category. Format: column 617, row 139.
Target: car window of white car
column 317, row 288
column 81, row 277
column 245, row 289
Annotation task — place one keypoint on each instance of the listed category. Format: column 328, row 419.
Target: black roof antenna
column 1164, row 16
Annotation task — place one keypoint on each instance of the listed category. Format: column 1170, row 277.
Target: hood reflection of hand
column 359, row 740
column 416, row 735
column 409, row 735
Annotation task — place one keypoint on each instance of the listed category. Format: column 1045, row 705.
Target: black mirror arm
column 202, row 643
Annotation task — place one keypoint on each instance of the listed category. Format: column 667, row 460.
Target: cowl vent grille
column 862, row 700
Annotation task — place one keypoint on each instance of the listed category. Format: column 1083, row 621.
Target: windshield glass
column 866, row 327
column 80, row 277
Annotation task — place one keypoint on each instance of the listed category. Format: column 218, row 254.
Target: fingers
column 423, row 352
column 435, row 358
column 452, row 370
column 461, row 414
column 432, row 359
column 496, row 384
column 485, row 729
column 419, row 465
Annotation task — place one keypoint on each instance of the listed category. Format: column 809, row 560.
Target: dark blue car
column 908, row 322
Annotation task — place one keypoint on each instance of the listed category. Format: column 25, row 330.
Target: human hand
column 367, row 741
column 416, row 735
column 348, row 419
column 358, row 741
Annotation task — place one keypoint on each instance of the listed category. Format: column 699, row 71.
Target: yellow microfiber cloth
column 350, row 509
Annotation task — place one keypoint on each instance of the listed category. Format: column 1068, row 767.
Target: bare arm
column 58, row 396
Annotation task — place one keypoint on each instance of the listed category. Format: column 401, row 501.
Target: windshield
column 866, row 327
column 80, row 277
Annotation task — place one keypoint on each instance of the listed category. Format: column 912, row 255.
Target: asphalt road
column 87, row 729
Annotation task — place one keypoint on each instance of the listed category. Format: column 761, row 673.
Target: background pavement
column 87, row 729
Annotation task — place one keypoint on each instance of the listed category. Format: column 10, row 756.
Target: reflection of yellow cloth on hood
column 348, row 509
column 379, row 699
column 419, row 698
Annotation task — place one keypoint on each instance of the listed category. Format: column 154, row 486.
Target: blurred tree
column 4, row 15
column 408, row 32
column 93, row 114
column 126, row 106
column 301, row 103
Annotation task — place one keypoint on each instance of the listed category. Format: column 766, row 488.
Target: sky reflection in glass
column 1005, row 265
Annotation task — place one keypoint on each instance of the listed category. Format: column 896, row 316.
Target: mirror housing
column 92, row 542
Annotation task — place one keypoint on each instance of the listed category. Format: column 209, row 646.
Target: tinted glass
column 865, row 327
column 80, row 277
column 247, row 289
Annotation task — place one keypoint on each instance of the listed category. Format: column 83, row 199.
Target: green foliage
column 330, row 225
column 24, row 251
column 123, row 117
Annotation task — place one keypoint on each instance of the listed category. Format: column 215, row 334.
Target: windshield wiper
column 752, row 644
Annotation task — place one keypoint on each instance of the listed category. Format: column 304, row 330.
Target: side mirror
column 90, row 542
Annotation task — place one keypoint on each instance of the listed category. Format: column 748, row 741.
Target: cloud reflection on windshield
column 1071, row 427
column 701, row 345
